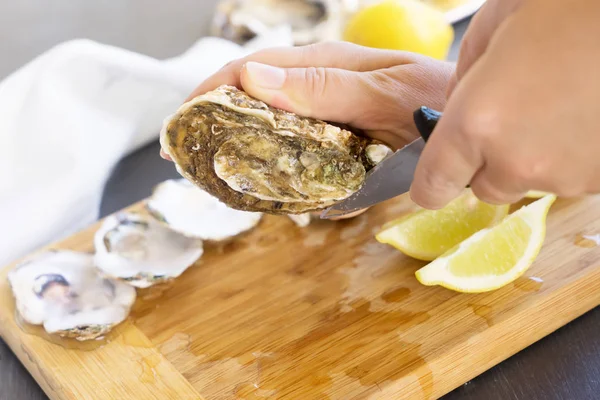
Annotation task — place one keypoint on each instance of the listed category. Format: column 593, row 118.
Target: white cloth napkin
column 71, row 114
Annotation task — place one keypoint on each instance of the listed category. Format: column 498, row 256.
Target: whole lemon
column 408, row 25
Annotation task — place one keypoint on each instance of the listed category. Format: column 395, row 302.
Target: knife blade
column 394, row 175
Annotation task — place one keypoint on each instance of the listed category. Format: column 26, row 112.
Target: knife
column 394, row 175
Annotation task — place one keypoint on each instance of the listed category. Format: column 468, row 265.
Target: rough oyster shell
column 141, row 251
column 254, row 157
column 191, row 211
column 64, row 292
column 310, row 21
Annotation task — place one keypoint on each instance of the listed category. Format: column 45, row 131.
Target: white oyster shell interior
column 193, row 212
column 142, row 251
column 64, row 292
column 302, row 220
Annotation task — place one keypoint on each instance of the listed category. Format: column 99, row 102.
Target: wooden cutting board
column 323, row 312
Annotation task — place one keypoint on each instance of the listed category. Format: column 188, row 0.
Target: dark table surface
column 564, row 365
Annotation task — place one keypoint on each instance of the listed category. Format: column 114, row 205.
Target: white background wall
column 159, row 28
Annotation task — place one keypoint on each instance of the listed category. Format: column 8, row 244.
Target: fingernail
column 265, row 76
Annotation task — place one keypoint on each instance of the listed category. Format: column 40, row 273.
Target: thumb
column 323, row 93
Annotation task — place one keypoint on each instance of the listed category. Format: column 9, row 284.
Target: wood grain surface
column 320, row 312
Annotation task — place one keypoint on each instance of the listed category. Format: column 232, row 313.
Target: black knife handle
column 426, row 119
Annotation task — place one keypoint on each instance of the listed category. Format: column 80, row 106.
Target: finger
column 593, row 185
column 327, row 55
column 479, row 33
column 496, row 188
column 323, row 93
column 378, row 101
column 448, row 162
column 501, row 180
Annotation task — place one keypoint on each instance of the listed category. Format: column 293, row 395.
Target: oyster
column 254, row 157
column 141, row 251
column 63, row 291
column 310, row 21
column 193, row 212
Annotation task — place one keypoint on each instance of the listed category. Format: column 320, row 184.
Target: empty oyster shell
column 310, row 21
column 63, row 291
column 254, row 157
column 142, row 252
column 193, row 212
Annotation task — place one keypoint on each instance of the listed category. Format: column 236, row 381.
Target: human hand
column 369, row 89
column 523, row 109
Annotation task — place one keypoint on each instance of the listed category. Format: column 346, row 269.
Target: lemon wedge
column 427, row 234
column 492, row 257
column 408, row 25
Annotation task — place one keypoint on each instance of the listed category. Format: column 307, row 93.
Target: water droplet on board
column 177, row 342
column 177, row 349
column 484, row 312
column 373, row 260
column 396, row 295
column 251, row 391
column 529, row 284
column 238, row 376
column 148, row 364
column 133, row 337
column 587, row 241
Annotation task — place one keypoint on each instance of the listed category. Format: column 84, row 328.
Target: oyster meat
column 310, row 21
column 254, row 157
column 64, row 292
column 141, row 251
column 193, row 212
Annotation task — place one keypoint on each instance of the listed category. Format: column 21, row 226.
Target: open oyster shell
column 63, row 291
column 310, row 21
column 141, row 251
column 254, row 157
column 193, row 212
